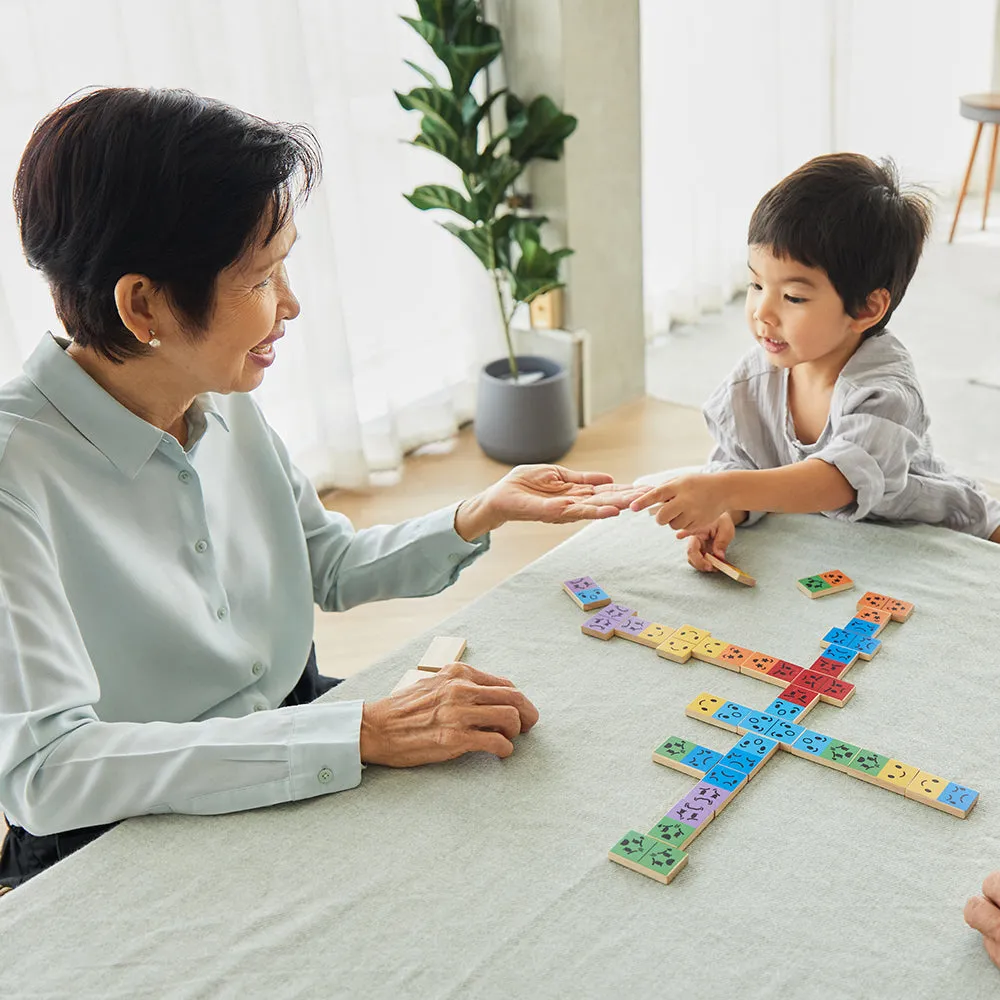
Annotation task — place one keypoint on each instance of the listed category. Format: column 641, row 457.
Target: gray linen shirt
column 876, row 435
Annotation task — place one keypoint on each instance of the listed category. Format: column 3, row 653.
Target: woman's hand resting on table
column 548, row 493
column 982, row 913
column 452, row 712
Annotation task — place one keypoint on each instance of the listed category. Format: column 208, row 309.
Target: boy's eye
column 754, row 286
column 794, row 299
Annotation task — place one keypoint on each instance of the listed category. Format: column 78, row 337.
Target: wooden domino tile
column 409, row 678
column 731, row 571
column 867, row 627
column 833, row 581
column 675, row 833
column 586, row 594
column 704, row 706
column 729, row 716
column 782, row 673
column 925, row 787
column 684, row 756
column 838, row 755
column 600, row 626
column 877, row 616
column 757, row 665
column 833, row 668
column 899, row 610
column 629, row 628
column 726, row 778
column 872, row 600
column 648, row 856
column 831, row 691
column 688, row 633
column 867, row 765
column 675, row 649
column 444, row 649
column 756, row 722
column 733, row 656
column 653, row 635
column 895, row 775
column 957, row 800
column 709, row 650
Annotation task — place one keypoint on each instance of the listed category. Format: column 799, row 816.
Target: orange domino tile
column 732, row 657
column 872, row 600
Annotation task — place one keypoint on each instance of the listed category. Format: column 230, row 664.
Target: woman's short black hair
column 156, row 182
column 848, row 215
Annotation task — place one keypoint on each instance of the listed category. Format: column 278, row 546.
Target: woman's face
column 253, row 300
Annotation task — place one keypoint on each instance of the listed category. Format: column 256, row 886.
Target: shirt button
column 325, row 776
column 260, row 708
column 258, row 669
column 221, row 613
column 201, row 545
column 184, row 476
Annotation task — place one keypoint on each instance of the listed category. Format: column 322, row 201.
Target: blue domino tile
column 757, row 746
column 840, row 654
column 862, row 627
column 702, row 759
column 737, row 760
column 785, row 732
column 838, row 637
column 787, row 711
column 958, row 796
column 726, row 778
column 865, row 645
column 811, row 742
column 591, row 595
column 731, row 713
column 758, row 722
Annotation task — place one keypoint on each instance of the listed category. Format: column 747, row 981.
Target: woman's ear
column 134, row 298
column 871, row 313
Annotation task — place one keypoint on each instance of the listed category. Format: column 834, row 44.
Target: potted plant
column 524, row 411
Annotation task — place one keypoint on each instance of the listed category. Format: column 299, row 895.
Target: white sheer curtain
column 736, row 94
column 396, row 316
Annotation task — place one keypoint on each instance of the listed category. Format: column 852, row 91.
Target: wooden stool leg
column 965, row 183
column 989, row 176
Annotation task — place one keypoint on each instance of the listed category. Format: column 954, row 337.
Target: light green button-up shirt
column 153, row 600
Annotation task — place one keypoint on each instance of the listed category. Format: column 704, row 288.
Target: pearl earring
column 154, row 341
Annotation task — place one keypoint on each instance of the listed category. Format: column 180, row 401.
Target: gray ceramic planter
column 518, row 424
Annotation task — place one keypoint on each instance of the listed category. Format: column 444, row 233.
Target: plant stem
column 506, row 325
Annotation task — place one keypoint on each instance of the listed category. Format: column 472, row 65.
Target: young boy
column 825, row 414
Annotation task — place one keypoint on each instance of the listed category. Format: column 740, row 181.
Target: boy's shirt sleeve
column 720, row 413
column 877, row 431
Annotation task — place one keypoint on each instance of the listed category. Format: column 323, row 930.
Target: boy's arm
column 694, row 503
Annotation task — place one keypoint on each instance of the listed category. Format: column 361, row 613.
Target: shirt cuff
column 861, row 471
column 325, row 748
column 443, row 544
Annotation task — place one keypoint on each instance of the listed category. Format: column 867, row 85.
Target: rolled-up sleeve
column 875, row 434
column 62, row 767
column 728, row 453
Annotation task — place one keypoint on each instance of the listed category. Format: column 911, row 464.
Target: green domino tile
column 814, row 584
column 840, row 754
column 648, row 856
column 672, row 831
column 867, row 764
column 675, row 748
column 633, row 845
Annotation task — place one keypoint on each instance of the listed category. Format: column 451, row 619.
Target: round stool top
column 981, row 107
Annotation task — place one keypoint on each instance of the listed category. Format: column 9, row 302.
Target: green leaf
column 477, row 239
column 429, row 77
column 480, row 46
column 429, row 196
column 546, row 130
column 473, row 112
column 442, row 139
column 435, row 103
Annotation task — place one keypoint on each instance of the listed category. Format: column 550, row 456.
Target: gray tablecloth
column 488, row 878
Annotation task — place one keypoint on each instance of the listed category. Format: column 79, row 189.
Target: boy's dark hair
column 848, row 215
column 156, row 182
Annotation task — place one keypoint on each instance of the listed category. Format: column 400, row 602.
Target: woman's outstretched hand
column 549, row 493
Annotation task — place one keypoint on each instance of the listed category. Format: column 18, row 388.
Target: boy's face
column 795, row 313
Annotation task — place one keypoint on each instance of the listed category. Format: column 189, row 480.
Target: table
column 488, row 878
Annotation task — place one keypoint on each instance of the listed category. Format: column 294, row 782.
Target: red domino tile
column 735, row 654
column 784, row 671
column 829, row 667
column 835, row 578
column 837, row 693
column 872, row 600
column 799, row 695
column 814, row 681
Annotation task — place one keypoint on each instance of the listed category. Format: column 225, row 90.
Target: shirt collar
column 126, row 440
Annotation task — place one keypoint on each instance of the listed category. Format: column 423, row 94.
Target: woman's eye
column 265, row 282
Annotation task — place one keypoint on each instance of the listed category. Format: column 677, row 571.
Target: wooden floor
column 638, row 438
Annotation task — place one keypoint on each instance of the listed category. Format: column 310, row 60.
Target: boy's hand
column 690, row 503
column 716, row 540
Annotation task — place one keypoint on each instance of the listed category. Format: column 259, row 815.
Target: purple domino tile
column 699, row 804
column 617, row 611
column 633, row 625
column 580, row 583
column 601, row 623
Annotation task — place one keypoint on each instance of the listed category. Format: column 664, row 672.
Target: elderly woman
column 160, row 551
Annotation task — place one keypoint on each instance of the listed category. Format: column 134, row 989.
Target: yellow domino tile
column 708, row 651
column 704, row 706
column 675, row 649
column 653, row 635
column 925, row 787
column 896, row 776
column 691, row 634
